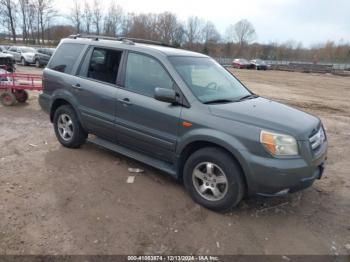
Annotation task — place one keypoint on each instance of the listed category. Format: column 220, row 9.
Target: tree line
column 37, row 22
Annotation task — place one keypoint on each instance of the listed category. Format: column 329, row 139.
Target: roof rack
column 127, row 40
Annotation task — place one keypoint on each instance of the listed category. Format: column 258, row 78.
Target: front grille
column 317, row 139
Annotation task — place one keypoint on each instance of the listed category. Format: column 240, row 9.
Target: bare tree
column 76, row 15
column 9, row 10
column 45, row 12
column 210, row 33
column 126, row 25
column 166, row 27
column 143, row 26
column 31, row 20
column 242, row 32
column 113, row 19
column 97, row 16
column 194, row 28
column 87, row 17
column 23, row 5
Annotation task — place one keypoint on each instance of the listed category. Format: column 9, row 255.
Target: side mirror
column 165, row 95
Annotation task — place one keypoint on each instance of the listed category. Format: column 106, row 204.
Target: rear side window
column 104, row 65
column 66, row 57
column 143, row 74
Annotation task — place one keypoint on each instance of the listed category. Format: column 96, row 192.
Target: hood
column 5, row 55
column 269, row 115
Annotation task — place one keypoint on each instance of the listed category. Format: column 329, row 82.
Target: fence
column 281, row 63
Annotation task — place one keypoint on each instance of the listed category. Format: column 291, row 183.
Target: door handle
column 77, row 87
column 125, row 101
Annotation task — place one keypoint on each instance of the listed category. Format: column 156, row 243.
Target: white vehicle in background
column 24, row 55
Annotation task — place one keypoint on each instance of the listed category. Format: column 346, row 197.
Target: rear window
column 66, row 57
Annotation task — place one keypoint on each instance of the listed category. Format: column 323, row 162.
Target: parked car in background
column 42, row 56
column 258, row 64
column 24, row 55
column 3, row 48
column 241, row 63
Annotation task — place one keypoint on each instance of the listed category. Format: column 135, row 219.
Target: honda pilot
column 183, row 113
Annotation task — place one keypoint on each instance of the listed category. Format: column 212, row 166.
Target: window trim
column 85, row 62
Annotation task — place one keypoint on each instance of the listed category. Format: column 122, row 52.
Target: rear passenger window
column 144, row 74
column 66, row 57
column 104, row 65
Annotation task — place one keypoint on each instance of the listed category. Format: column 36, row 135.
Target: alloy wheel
column 210, row 181
column 65, row 127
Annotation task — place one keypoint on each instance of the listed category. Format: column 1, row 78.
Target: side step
column 159, row 164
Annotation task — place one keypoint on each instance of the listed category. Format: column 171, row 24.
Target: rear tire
column 215, row 167
column 68, row 129
column 8, row 98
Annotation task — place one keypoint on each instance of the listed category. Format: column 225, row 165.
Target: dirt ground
column 59, row 201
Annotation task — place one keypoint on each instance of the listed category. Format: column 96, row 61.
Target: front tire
column 23, row 62
column 214, row 179
column 68, row 129
column 37, row 63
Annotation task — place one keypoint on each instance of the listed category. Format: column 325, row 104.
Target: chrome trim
column 317, row 139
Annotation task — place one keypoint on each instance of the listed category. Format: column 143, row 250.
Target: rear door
column 143, row 123
column 96, row 89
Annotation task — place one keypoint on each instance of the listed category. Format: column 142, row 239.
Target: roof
column 141, row 47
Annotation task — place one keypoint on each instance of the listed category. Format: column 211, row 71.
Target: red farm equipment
column 14, row 86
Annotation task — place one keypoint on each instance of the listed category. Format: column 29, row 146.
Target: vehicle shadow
column 93, row 160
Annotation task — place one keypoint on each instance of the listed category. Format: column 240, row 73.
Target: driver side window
column 144, row 73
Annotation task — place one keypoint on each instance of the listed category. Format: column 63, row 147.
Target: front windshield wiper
column 250, row 96
column 218, row 101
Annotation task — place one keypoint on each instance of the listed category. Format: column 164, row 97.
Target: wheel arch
column 192, row 146
column 64, row 99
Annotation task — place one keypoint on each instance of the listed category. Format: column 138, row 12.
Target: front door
column 143, row 123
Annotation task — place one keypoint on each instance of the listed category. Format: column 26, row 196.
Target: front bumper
column 274, row 177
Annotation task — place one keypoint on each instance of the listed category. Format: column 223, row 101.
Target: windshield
column 27, row 50
column 208, row 80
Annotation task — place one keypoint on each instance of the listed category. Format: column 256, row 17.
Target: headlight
column 279, row 144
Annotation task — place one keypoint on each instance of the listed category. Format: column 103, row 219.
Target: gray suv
column 184, row 114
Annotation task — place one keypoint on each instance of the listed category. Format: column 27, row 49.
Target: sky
column 307, row 21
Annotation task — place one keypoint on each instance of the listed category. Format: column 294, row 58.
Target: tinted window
column 104, row 65
column 66, row 57
column 144, row 74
